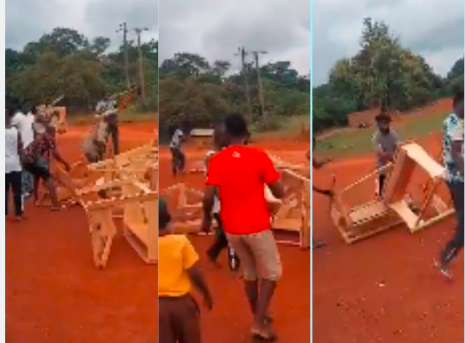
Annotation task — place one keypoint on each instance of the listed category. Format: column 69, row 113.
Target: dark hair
column 458, row 98
column 383, row 118
column 236, row 126
column 10, row 111
column 164, row 217
column 14, row 104
column 172, row 129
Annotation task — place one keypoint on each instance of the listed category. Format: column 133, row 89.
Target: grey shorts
column 258, row 254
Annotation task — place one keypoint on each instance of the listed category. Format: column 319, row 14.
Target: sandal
column 261, row 337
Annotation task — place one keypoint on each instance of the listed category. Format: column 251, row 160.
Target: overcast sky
column 433, row 28
column 215, row 29
column 28, row 20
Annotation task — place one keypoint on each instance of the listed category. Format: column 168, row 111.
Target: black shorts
column 38, row 171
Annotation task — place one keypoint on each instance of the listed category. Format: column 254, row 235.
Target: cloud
column 432, row 28
column 90, row 17
column 215, row 29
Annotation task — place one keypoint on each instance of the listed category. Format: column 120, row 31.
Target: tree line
column 383, row 74
column 195, row 92
column 65, row 62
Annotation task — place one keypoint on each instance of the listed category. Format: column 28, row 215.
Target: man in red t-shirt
column 240, row 174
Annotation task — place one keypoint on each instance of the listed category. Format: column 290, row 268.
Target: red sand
column 380, row 290
column 230, row 320
column 384, row 289
column 53, row 291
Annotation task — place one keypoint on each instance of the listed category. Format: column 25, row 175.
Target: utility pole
column 138, row 32
column 243, row 54
column 124, row 28
column 256, row 55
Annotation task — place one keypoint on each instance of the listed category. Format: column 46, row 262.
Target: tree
column 196, row 92
column 66, row 62
column 382, row 74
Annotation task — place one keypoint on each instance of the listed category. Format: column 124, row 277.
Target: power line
column 256, row 55
column 138, row 32
column 124, row 28
column 243, row 54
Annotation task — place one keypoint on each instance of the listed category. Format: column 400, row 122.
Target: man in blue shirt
column 453, row 161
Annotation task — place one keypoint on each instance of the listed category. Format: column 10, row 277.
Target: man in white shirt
column 13, row 168
column 179, row 159
column 101, row 106
column 24, row 124
column 108, row 108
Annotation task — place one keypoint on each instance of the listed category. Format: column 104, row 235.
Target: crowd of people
column 31, row 146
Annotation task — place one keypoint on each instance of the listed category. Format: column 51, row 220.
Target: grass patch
column 359, row 141
column 286, row 127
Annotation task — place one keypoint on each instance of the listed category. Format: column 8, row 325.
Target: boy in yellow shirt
column 178, row 273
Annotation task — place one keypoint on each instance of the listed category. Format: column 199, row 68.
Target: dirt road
column 380, row 290
column 384, row 289
column 230, row 320
column 54, row 294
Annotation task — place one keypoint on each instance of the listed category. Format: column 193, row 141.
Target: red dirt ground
column 357, row 297
column 230, row 320
column 54, row 294
column 384, row 289
column 380, row 290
